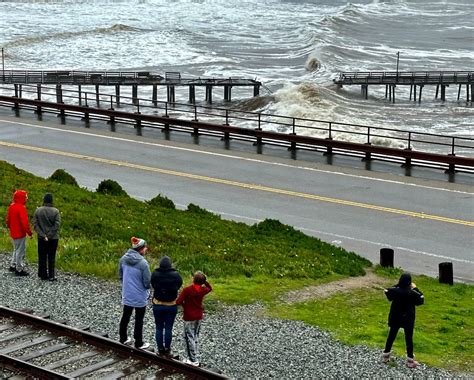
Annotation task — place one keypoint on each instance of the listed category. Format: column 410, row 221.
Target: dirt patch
column 370, row 280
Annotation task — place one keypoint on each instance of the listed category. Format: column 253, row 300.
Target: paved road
column 426, row 222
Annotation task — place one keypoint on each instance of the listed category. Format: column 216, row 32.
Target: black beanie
column 48, row 198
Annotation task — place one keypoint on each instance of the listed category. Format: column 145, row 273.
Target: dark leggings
column 138, row 328
column 408, row 338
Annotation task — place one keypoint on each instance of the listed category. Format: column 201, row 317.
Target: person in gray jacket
column 46, row 222
column 134, row 273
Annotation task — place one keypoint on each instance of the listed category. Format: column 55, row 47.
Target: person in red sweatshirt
column 17, row 223
column 191, row 299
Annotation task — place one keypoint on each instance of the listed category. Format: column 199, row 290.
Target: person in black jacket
column 166, row 282
column 405, row 296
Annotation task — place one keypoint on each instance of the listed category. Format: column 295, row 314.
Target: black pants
column 47, row 258
column 408, row 338
column 138, row 329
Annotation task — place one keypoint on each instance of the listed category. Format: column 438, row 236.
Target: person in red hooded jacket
column 19, row 226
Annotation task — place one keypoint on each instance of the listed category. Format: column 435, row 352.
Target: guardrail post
column 293, row 143
column 134, row 94
column 117, row 95
column 195, row 113
column 408, row 148
column 368, row 155
column 138, row 106
column 97, row 98
column 154, row 95
column 86, row 114
column 138, row 126
column 226, row 117
column 329, row 148
column 38, row 97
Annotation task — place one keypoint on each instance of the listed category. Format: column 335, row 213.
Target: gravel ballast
column 234, row 340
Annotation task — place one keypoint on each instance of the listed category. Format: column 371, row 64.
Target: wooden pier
column 133, row 79
column 415, row 79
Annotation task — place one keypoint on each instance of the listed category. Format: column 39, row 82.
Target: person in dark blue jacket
column 134, row 274
column 405, row 296
column 166, row 282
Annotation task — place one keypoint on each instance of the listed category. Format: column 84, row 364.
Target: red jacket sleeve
column 182, row 295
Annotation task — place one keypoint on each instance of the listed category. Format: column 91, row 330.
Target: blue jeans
column 164, row 321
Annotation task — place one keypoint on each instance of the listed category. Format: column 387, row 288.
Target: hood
column 165, row 263
column 132, row 257
column 20, row 196
column 405, row 280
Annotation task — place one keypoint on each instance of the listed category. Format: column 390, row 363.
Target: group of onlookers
column 46, row 222
column 137, row 280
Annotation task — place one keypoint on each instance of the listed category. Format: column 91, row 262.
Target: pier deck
column 129, row 78
column 414, row 79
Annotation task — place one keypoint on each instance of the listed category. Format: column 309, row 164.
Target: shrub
column 162, row 201
column 111, row 187
column 195, row 209
column 63, row 176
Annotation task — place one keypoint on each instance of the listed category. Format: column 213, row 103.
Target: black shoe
column 53, row 279
column 12, row 269
column 21, row 273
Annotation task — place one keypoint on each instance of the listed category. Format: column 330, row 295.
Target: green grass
column 444, row 328
column 97, row 227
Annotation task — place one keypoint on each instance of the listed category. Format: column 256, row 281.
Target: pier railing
column 410, row 77
column 370, row 142
column 75, row 77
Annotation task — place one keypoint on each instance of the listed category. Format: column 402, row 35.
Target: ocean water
column 295, row 47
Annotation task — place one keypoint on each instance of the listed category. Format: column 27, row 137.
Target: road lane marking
column 171, row 147
column 243, row 185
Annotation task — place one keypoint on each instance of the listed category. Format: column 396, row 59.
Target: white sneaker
column 412, row 363
column 189, row 362
column 128, row 342
column 144, row 346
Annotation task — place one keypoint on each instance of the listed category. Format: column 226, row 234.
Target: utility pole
column 398, row 59
column 3, row 65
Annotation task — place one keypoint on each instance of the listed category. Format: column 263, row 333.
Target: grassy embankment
column 245, row 264
column 444, row 328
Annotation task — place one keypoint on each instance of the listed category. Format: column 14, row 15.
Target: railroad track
column 36, row 347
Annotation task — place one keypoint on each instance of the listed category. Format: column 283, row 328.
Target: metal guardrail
column 451, row 152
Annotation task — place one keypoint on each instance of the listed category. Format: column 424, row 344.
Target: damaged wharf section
column 171, row 80
column 414, row 79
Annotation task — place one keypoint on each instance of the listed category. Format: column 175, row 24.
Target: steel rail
column 105, row 343
column 16, row 365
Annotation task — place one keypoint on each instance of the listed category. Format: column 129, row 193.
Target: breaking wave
column 116, row 28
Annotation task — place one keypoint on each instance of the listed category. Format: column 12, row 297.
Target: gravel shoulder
column 235, row 340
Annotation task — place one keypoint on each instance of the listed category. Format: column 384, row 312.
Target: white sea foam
column 295, row 48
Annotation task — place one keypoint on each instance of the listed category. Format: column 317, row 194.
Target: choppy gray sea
column 295, row 47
